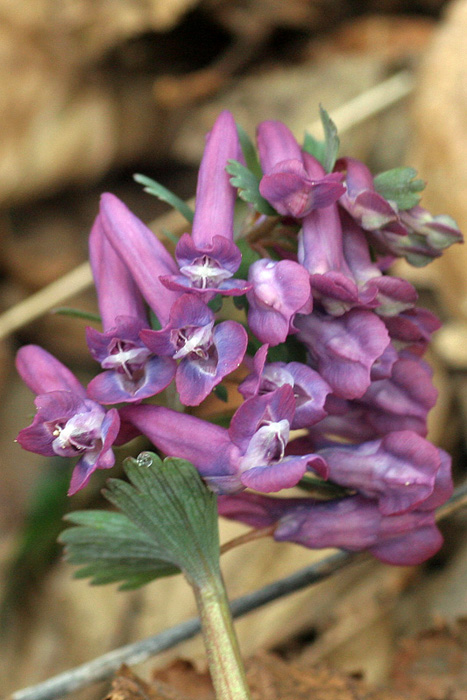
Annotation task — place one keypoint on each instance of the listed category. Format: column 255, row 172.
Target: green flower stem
column 220, row 641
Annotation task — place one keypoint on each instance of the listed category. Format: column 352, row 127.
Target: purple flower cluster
column 335, row 351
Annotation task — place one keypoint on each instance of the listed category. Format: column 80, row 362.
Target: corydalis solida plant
column 335, row 345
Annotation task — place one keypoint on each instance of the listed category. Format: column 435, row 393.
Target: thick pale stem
column 220, row 641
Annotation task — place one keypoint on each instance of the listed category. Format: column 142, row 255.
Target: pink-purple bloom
column 132, row 372
column 207, row 352
column 398, row 470
column 370, row 209
column 310, row 389
column 294, row 182
column 209, row 258
column 67, row 423
column 280, row 289
column 344, row 349
column 354, row 524
column 346, row 338
column 251, row 453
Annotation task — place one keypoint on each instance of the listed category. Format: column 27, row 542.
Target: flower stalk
column 220, row 641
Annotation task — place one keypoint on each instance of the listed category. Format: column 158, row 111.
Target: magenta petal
column 115, row 387
column 222, row 250
column 399, row 470
column 197, row 376
column 275, row 477
column 276, row 143
column 280, row 289
column 250, row 386
column 37, row 438
column 42, row 372
column 291, row 191
column 204, row 444
column 410, row 548
column 117, row 293
column 81, row 475
column 394, row 295
column 404, row 399
column 273, row 407
column 444, row 486
column 350, row 523
column 344, row 348
column 413, row 329
column 104, row 459
column 141, row 251
column 207, row 270
column 439, row 231
column 249, row 508
column 215, row 196
column 310, row 391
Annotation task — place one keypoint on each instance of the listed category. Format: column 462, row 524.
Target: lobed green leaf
column 167, row 523
column 400, row 186
column 248, row 187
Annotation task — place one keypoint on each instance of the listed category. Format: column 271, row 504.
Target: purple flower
column 426, row 236
column 398, row 470
column 347, row 421
column 207, row 353
column 369, row 209
column 67, row 423
column 250, row 454
column 132, row 371
column 280, row 289
column 209, row 258
column 320, row 251
column 260, row 429
column 141, row 253
column 310, row 389
column 403, row 400
column 411, row 330
column 344, row 348
column 354, row 524
column 389, row 295
column 294, row 183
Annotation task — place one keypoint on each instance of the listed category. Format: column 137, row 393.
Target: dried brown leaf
column 434, row 663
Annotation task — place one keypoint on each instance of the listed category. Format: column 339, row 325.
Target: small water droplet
column 144, row 459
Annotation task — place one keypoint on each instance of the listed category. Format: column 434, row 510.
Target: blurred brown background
column 95, row 90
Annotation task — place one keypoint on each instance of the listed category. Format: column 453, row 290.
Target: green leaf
column 248, row 187
column 331, row 140
column 315, row 147
column 221, row 392
column 165, row 195
column 171, row 504
column 325, row 151
column 249, row 152
column 290, row 351
column 113, row 550
column 77, row 313
column 167, row 523
column 240, row 302
column 154, row 321
column 399, row 186
column 216, row 303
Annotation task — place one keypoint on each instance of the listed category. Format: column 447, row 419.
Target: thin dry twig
column 249, row 536
column 352, row 113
